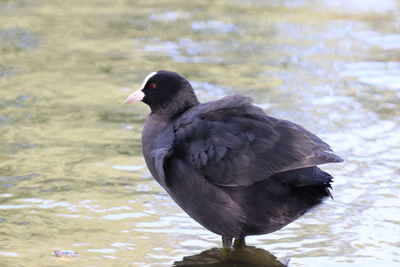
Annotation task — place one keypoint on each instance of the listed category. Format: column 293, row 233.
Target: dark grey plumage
column 232, row 168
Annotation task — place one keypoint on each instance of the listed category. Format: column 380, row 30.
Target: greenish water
column 71, row 171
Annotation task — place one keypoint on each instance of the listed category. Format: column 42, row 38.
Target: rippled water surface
column 71, row 171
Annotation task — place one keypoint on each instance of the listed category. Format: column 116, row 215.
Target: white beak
column 134, row 97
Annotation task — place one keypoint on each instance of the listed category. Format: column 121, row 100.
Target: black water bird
column 232, row 168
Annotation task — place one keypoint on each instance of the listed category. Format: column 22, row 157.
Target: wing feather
column 230, row 142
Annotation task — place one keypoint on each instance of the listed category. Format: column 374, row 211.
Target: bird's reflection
column 242, row 257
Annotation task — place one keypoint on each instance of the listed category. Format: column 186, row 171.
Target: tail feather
column 311, row 184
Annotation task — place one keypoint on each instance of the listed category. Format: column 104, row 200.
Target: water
column 71, row 172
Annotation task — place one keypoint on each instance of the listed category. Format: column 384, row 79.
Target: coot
column 232, row 168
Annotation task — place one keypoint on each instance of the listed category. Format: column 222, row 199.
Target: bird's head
column 165, row 92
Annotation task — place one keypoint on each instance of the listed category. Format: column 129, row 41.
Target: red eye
column 152, row 85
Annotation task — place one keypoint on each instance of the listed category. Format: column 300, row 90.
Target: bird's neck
column 175, row 106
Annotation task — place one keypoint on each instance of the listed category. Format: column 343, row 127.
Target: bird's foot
column 226, row 247
column 239, row 242
column 225, row 252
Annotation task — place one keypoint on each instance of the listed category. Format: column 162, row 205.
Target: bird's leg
column 240, row 242
column 226, row 246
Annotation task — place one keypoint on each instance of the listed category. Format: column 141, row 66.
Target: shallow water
column 71, row 172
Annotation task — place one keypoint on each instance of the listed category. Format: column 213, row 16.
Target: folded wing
column 230, row 142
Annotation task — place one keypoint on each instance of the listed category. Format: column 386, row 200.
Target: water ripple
column 213, row 26
column 380, row 74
